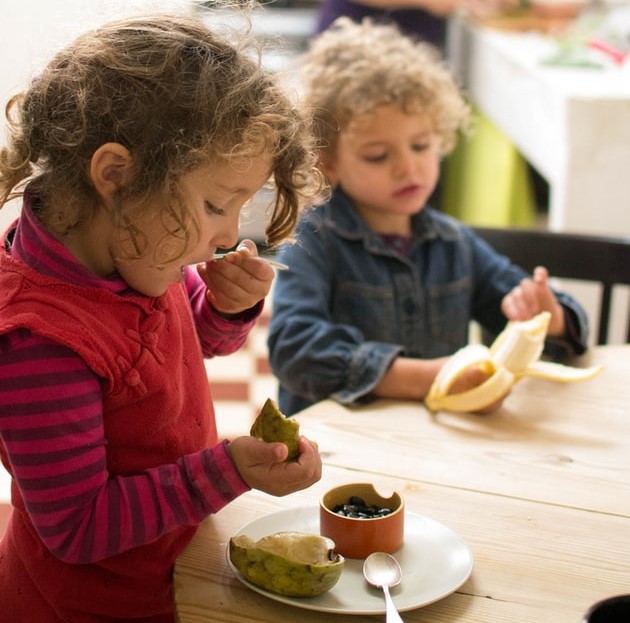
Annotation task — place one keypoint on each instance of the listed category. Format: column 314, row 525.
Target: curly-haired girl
column 134, row 151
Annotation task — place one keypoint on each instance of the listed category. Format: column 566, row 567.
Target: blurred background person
column 426, row 19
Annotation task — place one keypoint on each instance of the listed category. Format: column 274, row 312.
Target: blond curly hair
column 176, row 95
column 353, row 68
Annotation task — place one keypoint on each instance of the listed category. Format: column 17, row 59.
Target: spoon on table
column 383, row 571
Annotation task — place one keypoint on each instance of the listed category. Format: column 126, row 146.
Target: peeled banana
column 514, row 354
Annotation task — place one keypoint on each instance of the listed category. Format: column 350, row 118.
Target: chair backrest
column 602, row 259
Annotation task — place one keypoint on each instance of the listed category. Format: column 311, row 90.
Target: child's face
column 388, row 163
column 215, row 195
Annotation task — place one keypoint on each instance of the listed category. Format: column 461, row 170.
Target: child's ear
column 327, row 166
column 110, row 168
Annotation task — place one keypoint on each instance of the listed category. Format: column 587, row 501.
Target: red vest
column 156, row 408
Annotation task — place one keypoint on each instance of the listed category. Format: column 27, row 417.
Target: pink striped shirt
column 52, row 434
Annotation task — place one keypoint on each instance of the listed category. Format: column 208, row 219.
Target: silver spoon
column 274, row 263
column 383, row 571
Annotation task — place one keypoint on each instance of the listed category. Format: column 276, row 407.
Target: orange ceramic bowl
column 359, row 537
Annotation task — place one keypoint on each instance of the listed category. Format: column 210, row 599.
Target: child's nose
column 403, row 164
column 227, row 237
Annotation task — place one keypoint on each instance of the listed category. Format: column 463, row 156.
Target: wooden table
column 540, row 492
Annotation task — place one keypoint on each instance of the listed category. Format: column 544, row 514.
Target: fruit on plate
column 293, row 564
column 514, row 354
column 272, row 425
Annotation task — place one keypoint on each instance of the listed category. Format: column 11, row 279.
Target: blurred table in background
column 571, row 123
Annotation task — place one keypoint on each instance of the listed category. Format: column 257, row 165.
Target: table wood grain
column 539, row 491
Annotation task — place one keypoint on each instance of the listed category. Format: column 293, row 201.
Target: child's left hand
column 238, row 281
column 263, row 465
column 532, row 296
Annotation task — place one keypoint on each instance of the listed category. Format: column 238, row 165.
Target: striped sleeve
column 217, row 335
column 51, row 427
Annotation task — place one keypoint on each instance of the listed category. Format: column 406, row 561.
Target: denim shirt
column 350, row 303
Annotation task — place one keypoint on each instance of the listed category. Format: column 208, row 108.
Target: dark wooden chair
column 583, row 257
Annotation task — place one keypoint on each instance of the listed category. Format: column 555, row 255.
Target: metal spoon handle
column 391, row 614
column 274, row 263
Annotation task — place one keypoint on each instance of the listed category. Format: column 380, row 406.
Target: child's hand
column 238, row 281
column 261, row 465
column 472, row 377
column 531, row 297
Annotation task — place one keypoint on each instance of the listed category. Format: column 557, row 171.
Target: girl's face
column 388, row 163
column 215, row 194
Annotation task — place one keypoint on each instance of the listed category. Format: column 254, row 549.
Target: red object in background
column 616, row 54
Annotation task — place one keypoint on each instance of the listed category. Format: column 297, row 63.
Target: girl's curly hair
column 353, row 68
column 176, row 95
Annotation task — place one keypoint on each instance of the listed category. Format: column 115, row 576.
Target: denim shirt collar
column 341, row 216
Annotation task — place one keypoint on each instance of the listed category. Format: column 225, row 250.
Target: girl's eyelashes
column 212, row 209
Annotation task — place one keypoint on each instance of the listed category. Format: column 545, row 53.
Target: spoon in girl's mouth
column 278, row 265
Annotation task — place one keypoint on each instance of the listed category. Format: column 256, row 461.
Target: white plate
column 434, row 560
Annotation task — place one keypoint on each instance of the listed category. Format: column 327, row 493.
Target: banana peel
column 513, row 355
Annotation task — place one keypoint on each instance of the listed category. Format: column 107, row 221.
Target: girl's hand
column 261, row 465
column 531, row 297
column 238, row 281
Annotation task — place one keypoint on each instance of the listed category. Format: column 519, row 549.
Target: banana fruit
column 514, row 354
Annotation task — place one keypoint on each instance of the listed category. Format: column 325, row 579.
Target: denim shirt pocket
column 368, row 307
column 448, row 312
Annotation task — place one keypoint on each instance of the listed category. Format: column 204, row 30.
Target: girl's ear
column 110, row 168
